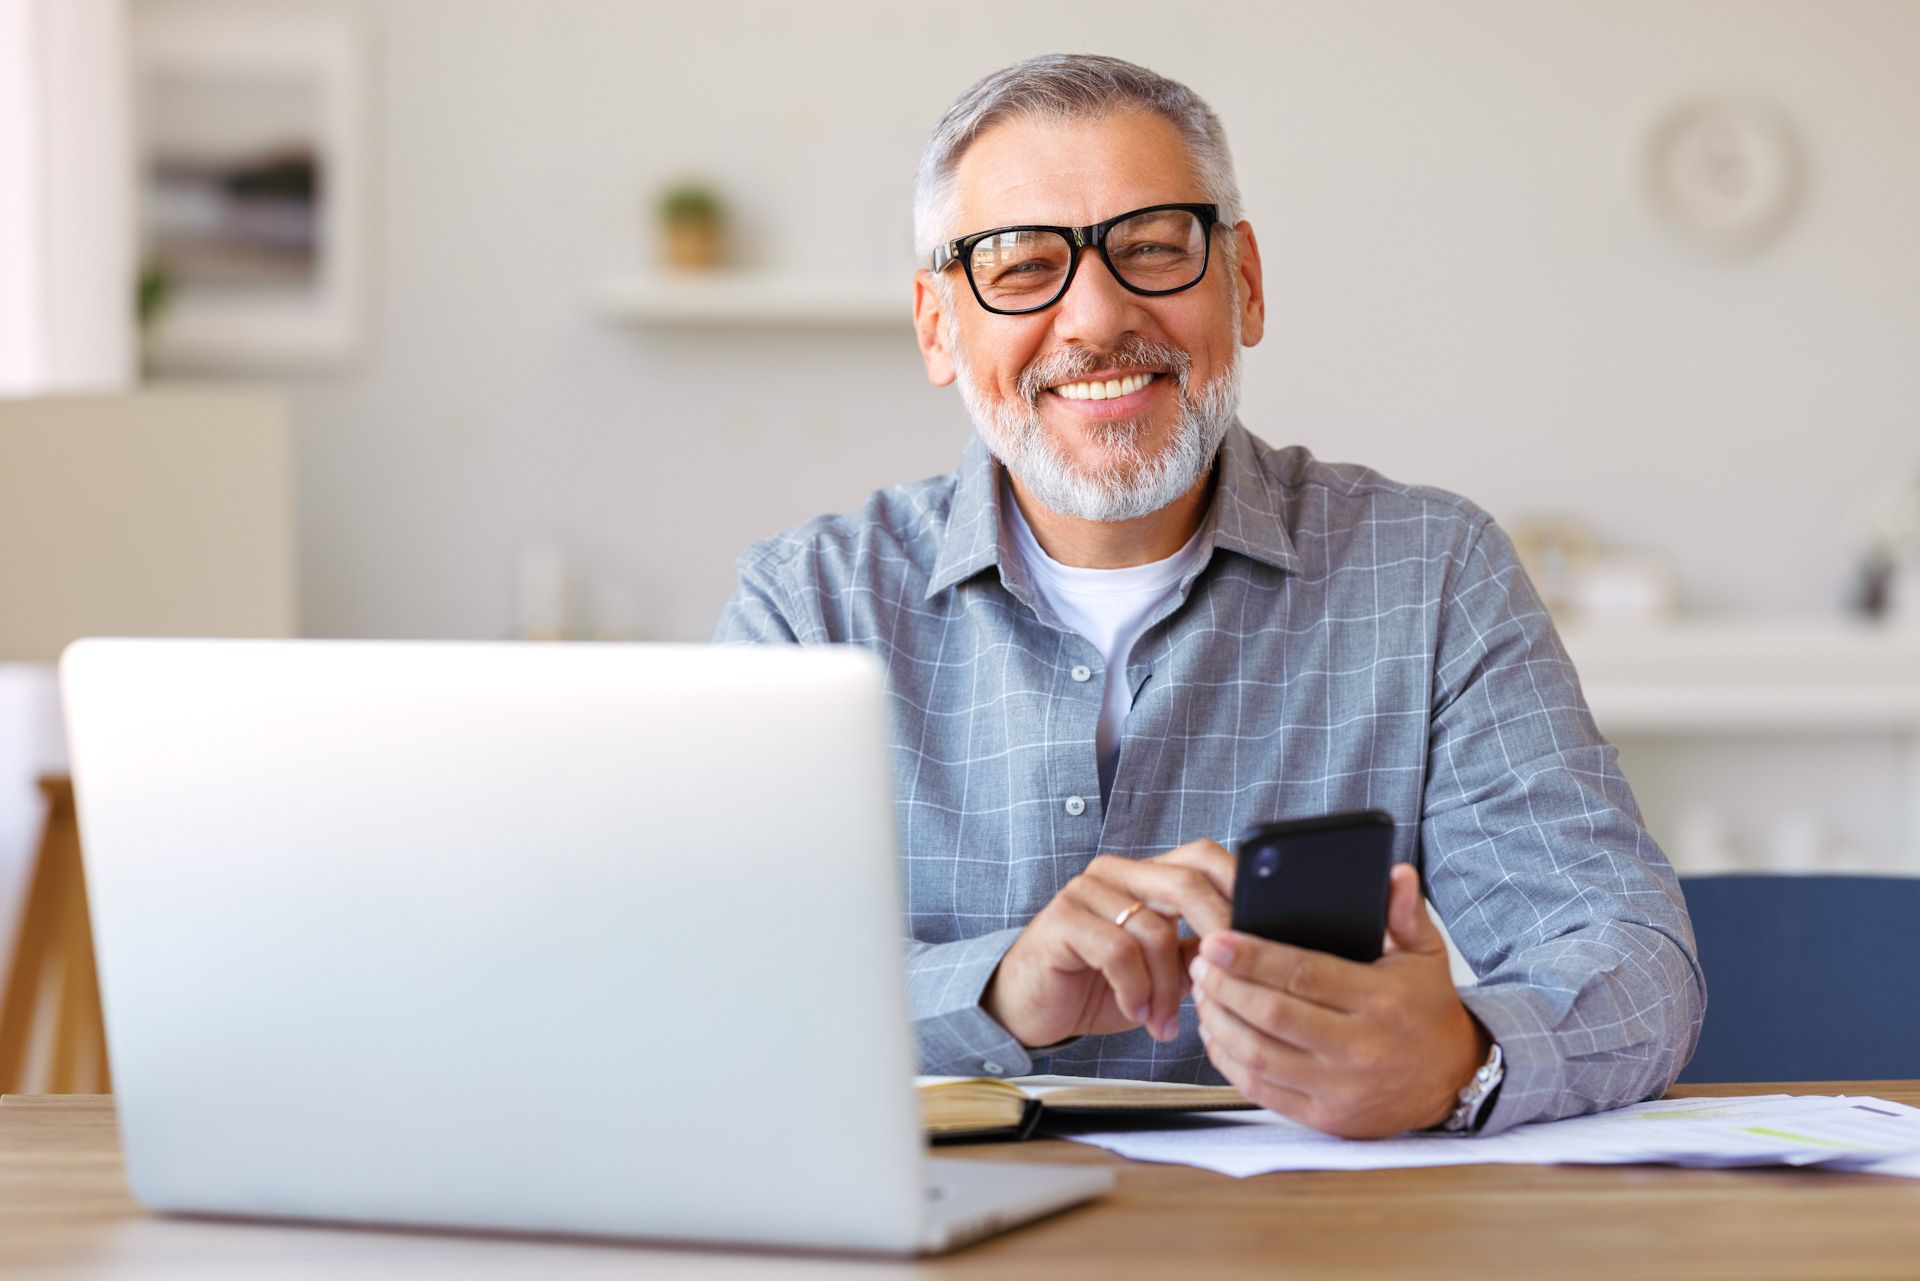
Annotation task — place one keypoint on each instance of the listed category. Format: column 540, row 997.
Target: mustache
column 1131, row 353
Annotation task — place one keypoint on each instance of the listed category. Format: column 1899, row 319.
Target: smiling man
column 1124, row 630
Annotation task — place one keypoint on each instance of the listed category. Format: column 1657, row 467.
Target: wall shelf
column 755, row 300
column 1739, row 676
column 1783, row 745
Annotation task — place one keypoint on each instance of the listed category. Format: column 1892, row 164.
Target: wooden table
column 65, row 1212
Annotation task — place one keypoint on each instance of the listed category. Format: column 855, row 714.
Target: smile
column 1105, row 389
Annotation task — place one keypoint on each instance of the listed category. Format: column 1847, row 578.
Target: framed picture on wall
column 250, row 129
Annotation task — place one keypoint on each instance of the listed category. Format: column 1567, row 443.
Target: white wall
column 66, row 304
column 66, row 280
column 1465, row 288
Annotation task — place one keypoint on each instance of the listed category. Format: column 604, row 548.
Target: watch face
column 1722, row 173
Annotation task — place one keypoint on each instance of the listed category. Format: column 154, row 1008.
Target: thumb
column 1409, row 927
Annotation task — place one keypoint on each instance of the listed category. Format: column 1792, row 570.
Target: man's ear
column 926, row 328
column 1253, row 294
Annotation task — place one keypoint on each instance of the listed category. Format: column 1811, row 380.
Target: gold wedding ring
column 1126, row 914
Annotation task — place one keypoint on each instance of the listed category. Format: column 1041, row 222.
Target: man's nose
column 1097, row 308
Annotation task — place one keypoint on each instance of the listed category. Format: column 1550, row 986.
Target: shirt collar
column 972, row 539
column 1249, row 513
column 1246, row 515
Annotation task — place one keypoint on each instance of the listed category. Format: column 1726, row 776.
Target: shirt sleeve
column 755, row 614
column 957, row 1036
column 945, row 981
column 1537, row 859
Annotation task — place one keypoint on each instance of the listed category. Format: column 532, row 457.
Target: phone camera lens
column 1266, row 863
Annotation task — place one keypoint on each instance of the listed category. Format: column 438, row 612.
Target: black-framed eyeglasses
column 1161, row 249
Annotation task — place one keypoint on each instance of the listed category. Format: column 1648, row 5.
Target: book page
column 1069, row 1093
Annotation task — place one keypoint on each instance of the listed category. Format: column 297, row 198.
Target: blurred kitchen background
column 568, row 301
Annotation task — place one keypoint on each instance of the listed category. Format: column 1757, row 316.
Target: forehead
column 1070, row 172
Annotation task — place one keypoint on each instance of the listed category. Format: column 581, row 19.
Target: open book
column 978, row 1107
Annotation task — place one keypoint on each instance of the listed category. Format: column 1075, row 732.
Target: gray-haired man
column 1124, row 630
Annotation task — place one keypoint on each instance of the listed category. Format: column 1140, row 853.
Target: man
column 1124, row 630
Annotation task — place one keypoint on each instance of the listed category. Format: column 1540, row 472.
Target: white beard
column 1134, row 483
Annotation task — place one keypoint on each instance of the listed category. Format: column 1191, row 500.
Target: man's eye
column 1024, row 273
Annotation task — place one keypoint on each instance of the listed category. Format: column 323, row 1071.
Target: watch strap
column 1476, row 1096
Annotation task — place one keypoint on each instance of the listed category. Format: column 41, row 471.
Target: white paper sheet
column 1777, row 1129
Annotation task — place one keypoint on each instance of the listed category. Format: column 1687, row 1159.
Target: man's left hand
column 1361, row 1051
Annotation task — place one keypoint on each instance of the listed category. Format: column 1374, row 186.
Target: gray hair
column 1066, row 86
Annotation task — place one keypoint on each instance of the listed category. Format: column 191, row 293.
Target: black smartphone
column 1317, row 882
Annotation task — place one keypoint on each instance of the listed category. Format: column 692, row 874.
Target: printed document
column 1839, row 1132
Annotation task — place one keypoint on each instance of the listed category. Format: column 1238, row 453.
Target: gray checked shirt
column 1347, row 643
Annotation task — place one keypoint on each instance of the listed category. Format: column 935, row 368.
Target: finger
column 1280, row 1015
column 1332, row 981
column 1209, row 858
column 1102, row 946
column 1235, row 1072
column 1159, row 942
column 1275, row 1062
column 1173, row 889
column 1286, row 1102
column 1410, row 926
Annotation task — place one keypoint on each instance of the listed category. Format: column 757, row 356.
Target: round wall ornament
column 1722, row 172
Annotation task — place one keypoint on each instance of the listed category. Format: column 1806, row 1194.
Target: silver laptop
column 576, row 939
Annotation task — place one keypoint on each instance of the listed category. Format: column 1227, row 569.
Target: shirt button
column 1082, row 673
column 990, row 1067
column 1076, row 806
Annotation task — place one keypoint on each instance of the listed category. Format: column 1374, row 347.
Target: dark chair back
column 1809, row 978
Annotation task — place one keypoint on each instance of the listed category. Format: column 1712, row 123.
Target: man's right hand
column 1074, row 972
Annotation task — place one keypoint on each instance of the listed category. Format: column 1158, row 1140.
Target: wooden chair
column 53, row 965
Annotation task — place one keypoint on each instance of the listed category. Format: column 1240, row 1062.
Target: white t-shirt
column 1108, row 607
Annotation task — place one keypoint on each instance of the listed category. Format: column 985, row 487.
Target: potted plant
column 693, row 226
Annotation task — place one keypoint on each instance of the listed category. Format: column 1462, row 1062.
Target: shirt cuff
column 958, row 1037
column 1533, row 1069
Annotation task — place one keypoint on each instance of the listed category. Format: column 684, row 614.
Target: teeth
column 1108, row 390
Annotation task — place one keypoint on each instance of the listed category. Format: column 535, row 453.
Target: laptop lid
column 600, row 939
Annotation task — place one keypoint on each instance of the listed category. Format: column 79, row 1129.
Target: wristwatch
column 1476, row 1096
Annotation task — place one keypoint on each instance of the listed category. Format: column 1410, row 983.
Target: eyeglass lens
column 1161, row 250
